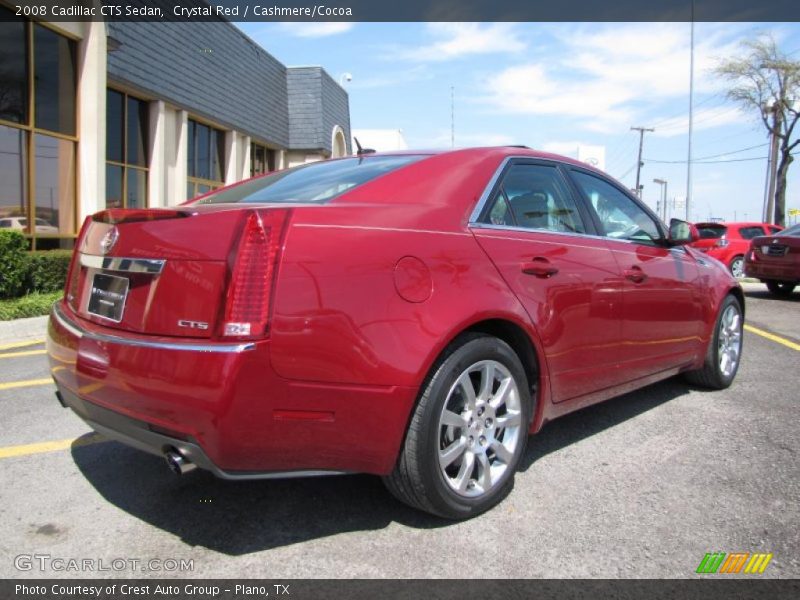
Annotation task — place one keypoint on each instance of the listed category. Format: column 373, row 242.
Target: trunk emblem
column 109, row 240
column 193, row 324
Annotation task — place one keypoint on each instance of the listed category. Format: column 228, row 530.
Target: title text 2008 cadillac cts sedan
column 412, row 315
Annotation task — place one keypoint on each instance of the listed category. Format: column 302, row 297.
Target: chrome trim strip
column 124, row 265
column 77, row 331
column 487, row 191
column 545, row 231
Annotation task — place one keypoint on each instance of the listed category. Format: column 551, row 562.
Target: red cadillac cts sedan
column 413, row 316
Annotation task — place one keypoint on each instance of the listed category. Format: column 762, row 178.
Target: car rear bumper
column 778, row 272
column 221, row 405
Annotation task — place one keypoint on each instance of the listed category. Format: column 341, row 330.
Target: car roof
column 500, row 152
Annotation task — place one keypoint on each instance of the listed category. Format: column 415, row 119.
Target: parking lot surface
column 641, row 486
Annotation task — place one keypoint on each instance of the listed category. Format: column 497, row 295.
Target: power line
column 712, row 162
column 626, row 173
column 699, row 158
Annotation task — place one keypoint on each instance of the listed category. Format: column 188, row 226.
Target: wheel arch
column 522, row 339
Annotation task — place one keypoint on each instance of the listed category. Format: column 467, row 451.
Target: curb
column 22, row 330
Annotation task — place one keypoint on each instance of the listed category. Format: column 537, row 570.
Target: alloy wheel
column 480, row 428
column 730, row 340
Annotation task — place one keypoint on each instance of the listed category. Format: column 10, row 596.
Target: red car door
column 661, row 324
column 535, row 232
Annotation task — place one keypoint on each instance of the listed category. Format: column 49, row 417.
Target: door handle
column 539, row 267
column 635, row 274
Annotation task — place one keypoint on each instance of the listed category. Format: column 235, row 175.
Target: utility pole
column 773, row 165
column 639, row 164
column 691, row 120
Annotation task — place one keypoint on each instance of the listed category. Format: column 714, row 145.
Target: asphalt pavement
column 641, row 486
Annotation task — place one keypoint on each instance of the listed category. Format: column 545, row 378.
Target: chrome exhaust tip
column 177, row 463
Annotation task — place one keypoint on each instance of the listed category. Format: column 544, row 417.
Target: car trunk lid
column 157, row 271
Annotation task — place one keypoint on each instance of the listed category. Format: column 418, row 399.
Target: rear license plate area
column 107, row 296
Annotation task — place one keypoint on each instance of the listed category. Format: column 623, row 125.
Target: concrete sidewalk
column 22, row 330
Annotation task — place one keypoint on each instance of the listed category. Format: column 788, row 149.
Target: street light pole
column 663, row 208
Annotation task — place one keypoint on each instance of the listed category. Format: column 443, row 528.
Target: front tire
column 468, row 432
column 780, row 288
column 724, row 350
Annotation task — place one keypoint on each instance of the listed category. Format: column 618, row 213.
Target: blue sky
column 553, row 86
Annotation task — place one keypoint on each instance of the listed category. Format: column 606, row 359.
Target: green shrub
column 13, row 264
column 32, row 305
column 47, row 270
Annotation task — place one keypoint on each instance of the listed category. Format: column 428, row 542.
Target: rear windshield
column 708, row 232
column 793, row 231
column 316, row 182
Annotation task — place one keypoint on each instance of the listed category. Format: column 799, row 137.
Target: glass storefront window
column 262, row 159
column 55, row 185
column 38, row 135
column 13, row 68
column 13, row 169
column 55, row 82
column 206, row 158
column 127, row 151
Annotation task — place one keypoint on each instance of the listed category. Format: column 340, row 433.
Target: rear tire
column 736, row 266
column 724, row 349
column 780, row 288
column 468, row 431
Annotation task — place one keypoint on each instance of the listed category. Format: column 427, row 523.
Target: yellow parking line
column 54, row 446
column 20, row 344
column 26, row 383
column 23, row 353
column 772, row 337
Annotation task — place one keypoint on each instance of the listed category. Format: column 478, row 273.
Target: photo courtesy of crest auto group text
column 309, row 299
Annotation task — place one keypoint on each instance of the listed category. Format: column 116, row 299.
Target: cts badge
column 192, row 324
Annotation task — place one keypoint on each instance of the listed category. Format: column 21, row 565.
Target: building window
column 206, row 159
column 126, row 151
column 38, row 134
column 262, row 159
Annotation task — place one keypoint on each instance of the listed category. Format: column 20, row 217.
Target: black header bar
column 406, row 10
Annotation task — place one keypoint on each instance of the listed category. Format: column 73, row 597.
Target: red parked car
column 775, row 260
column 413, row 315
column 729, row 242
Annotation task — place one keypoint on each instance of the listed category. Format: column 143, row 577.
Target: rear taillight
column 74, row 272
column 252, row 275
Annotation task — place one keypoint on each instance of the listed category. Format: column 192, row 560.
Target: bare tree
column 767, row 80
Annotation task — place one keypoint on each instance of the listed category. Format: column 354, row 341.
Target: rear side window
column 748, row 233
column 317, row 182
column 711, row 232
column 535, row 197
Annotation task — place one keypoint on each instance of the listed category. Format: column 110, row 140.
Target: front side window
column 621, row 218
column 535, row 197
column 317, row 182
column 206, row 159
column 127, row 151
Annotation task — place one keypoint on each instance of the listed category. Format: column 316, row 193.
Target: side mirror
column 681, row 232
